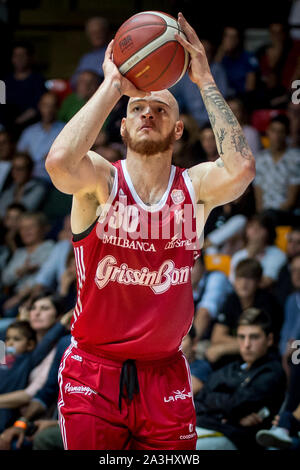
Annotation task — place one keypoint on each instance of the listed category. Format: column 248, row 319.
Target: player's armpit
column 215, row 186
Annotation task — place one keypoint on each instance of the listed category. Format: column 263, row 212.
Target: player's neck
column 149, row 174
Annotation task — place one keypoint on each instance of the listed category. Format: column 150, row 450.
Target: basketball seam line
column 173, row 40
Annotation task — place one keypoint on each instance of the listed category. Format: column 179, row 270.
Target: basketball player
column 124, row 382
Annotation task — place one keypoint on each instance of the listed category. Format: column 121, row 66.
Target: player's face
column 152, row 124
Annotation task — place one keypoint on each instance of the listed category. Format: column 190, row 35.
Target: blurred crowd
column 244, row 343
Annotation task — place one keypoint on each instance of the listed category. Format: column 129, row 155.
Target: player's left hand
column 199, row 70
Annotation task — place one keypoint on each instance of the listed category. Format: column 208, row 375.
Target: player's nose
column 147, row 112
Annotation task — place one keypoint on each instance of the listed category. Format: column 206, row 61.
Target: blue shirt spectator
column 291, row 324
column 51, row 271
column 38, row 138
column 239, row 64
column 187, row 93
column 97, row 31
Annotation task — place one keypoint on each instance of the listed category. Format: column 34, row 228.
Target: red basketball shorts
column 161, row 414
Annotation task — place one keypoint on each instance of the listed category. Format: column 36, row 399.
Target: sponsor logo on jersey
column 178, row 395
column 79, row 389
column 177, row 196
column 159, row 281
column 131, row 244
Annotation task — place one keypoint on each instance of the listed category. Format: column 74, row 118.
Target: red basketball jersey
column 134, row 293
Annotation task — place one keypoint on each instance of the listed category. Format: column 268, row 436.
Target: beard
column 149, row 147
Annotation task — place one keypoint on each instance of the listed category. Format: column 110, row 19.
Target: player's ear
column 179, row 126
column 123, row 126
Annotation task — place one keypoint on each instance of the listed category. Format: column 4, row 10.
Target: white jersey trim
column 197, row 208
column 136, row 197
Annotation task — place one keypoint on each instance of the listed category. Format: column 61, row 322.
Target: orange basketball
column 147, row 53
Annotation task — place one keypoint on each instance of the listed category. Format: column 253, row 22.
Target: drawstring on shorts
column 128, row 380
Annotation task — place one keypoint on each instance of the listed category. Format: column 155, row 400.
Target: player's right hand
column 111, row 72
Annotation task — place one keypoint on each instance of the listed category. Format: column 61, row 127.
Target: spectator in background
column 247, row 294
column 252, row 135
column 187, row 150
column 187, row 93
column 38, row 407
column 209, row 289
column 24, row 87
column 20, row 273
column 22, row 384
column 9, row 233
column 97, row 30
column 240, row 65
column 283, row 286
column 7, row 148
column 277, row 180
column 208, row 143
column 38, row 138
column 260, row 238
column 284, row 433
column 291, row 324
column 23, row 189
column 230, row 400
column 188, row 348
column 51, row 271
column 86, row 84
column 273, row 61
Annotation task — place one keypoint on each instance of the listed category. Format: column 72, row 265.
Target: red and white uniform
column 135, row 296
column 134, row 302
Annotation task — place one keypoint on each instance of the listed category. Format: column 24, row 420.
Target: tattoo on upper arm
column 211, row 94
column 221, row 136
column 240, row 144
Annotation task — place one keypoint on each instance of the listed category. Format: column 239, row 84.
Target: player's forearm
column 79, row 134
column 232, row 145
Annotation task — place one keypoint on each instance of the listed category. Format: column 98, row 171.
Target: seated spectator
column 283, row 286
column 24, row 87
column 277, row 180
column 6, row 153
column 187, row 93
column 38, row 407
column 86, row 84
column 208, row 143
column 21, row 270
column 247, row 294
column 240, row 65
column 187, row 150
column 9, row 234
column 24, row 188
column 209, row 289
column 252, row 135
column 49, row 276
column 273, row 60
column 284, row 433
column 188, row 348
column 291, row 324
column 28, row 372
column 38, row 138
column 97, row 30
column 260, row 238
column 229, row 404
column 67, row 288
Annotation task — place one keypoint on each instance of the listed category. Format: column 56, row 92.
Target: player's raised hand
column 199, row 70
column 111, row 72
